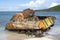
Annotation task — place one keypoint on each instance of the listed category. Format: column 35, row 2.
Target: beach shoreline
column 10, row 35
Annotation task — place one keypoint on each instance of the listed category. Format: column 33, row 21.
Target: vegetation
column 56, row 8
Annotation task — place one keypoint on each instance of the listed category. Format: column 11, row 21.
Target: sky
column 19, row 5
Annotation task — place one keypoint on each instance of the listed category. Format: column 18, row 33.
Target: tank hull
column 9, row 26
column 27, row 22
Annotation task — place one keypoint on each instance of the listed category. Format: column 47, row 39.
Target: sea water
column 7, row 35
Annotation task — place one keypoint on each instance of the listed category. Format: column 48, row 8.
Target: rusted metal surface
column 27, row 21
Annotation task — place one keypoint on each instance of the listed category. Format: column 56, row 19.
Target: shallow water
column 7, row 35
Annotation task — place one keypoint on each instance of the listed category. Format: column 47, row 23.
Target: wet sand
column 10, row 35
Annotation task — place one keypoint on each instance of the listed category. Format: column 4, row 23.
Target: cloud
column 53, row 4
column 34, row 4
column 40, row 4
column 10, row 8
column 16, row 8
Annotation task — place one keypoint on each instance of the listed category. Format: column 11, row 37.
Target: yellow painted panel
column 45, row 24
column 41, row 24
column 48, row 22
column 51, row 19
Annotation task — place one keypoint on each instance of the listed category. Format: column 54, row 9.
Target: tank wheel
column 38, row 33
column 29, row 33
column 47, row 29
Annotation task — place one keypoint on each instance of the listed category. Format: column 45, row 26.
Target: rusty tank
column 26, row 21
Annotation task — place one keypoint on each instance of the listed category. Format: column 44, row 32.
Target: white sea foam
column 54, row 31
column 43, row 38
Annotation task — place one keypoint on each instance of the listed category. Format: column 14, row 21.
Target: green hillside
column 56, row 8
